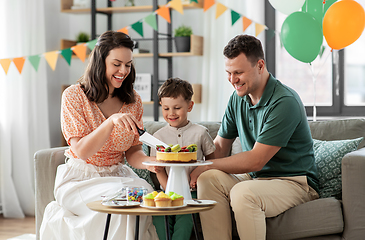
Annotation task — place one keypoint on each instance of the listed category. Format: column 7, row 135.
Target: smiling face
column 118, row 65
column 175, row 110
column 243, row 75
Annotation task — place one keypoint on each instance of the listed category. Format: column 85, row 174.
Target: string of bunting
column 80, row 50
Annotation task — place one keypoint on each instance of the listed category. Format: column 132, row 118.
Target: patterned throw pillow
column 328, row 157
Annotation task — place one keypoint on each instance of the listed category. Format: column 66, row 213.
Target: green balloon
column 316, row 8
column 302, row 36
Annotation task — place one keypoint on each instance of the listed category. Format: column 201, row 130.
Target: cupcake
column 162, row 200
column 177, row 200
column 149, row 200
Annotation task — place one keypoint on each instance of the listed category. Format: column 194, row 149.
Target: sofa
column 341, row 216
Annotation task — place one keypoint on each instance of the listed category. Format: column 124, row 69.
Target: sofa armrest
column 353, row 194
column 46, row 162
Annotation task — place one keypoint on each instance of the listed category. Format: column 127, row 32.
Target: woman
column 99, row 116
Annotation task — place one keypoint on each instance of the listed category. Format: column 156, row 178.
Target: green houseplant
column 182, row 38
column 82, row 37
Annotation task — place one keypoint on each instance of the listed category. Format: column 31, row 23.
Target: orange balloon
column 343, row 23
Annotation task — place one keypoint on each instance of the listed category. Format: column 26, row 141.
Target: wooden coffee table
column 97, row 206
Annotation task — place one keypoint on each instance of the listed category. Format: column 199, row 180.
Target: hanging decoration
column 80, row 50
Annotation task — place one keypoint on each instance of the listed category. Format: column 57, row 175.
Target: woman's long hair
column 94, row 81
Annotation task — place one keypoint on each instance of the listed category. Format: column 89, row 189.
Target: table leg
column 107, row 226
column 136, row 234
column 167, row 226
column 195, row 222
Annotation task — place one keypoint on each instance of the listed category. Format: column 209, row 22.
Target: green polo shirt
column 278, row 119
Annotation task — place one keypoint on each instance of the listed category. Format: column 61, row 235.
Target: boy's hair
column 246, row 44
column 174, row 87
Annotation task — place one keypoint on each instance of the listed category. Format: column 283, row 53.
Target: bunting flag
column 5, row 63
column 51, row 58
column 91, row 44
column 208, row 4
column 177, row 6
column 124, row 30
column 234, row 16
column 246, row 23
column 34, row 60
column 259, row 28
column 138, row 27
column 164, row 12
column 19, row 63
column 220, row 10
column 151, row 20
column 67, row 55
column 80, row 51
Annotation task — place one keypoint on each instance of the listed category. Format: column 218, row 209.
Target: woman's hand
column 156, row 169
column 126, row 120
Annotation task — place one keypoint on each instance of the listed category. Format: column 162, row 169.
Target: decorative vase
column 182, row 44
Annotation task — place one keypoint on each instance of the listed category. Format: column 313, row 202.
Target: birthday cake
column 177, row 154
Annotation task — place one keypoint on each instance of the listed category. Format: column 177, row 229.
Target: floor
column 10, row 227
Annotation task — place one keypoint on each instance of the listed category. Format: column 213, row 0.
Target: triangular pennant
column 246, row 23
column 208, row 4
column 193, row 1
column 19, row 63
column 80, row 51
column 164, row 12
column 51, row 58
column 67, row 55
column 124, row 30
column 177, row 6
column 234, row 16
column 220, row 10
column 151, row 20
column 91, row 44
column 34, row 60
column 269, row 34
column 5, row 63
column 259, row 28
column 138, row 27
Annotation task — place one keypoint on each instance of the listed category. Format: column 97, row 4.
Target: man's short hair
column 246, row 44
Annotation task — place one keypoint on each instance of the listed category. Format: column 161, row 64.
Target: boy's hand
column 156, row 169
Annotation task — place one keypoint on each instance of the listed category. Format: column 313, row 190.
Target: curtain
column 216, row 89
column 23, row 104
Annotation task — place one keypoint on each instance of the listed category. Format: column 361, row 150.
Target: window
column 339, row 88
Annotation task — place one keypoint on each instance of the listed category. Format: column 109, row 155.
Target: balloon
column 316, row 8
column 343, row 23
column 302, row 36
column 287, row 6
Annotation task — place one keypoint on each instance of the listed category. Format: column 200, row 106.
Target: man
column 276, row 170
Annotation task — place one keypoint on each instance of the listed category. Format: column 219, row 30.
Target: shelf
column 67, row 4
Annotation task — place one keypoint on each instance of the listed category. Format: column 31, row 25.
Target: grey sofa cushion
column 317, row 217
column 339, row 130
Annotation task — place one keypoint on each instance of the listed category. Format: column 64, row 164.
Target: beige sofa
column 324, row 218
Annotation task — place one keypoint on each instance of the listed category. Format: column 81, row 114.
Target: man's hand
column 195, row 174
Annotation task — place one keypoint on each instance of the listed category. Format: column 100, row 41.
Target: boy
column 175, row 98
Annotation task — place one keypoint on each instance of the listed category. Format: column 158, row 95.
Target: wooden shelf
column 67, row 4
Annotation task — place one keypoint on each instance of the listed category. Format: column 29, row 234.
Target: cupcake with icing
column 176, row 199
column 149, row 199
column 162, row 200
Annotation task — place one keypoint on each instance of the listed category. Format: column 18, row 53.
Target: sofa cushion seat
column 318, row 217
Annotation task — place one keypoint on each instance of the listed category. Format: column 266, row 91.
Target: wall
column 67, row 26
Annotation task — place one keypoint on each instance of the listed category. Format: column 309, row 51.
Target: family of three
column 99, row 119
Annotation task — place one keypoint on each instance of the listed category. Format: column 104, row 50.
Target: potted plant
column 82, row 37
column 182, row 38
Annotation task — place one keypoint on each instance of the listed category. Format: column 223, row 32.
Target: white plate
column 202, row 202
column 121, row 204
column 164, row 208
